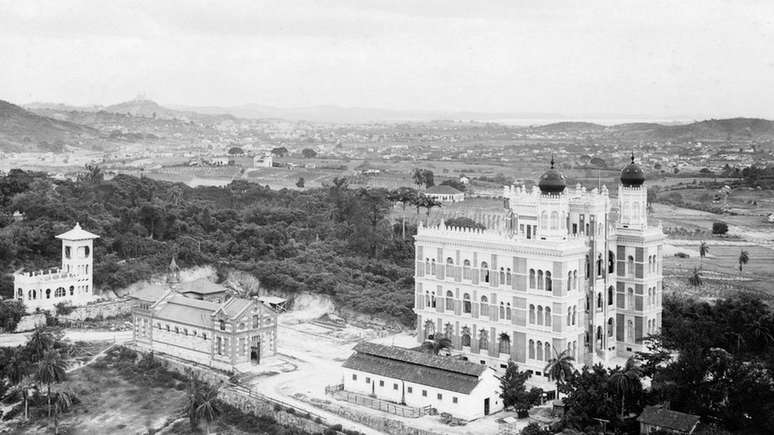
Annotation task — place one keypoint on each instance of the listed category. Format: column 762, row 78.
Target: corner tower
column 633, row 197
column 77, row 255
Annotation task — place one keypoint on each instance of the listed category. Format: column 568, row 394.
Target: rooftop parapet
column 43, row 275
column 494, row 236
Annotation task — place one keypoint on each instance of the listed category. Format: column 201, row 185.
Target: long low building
column 463, row 389
column 219, row 335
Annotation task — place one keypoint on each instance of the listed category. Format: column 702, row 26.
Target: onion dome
column 632, row 175
column 552, row 182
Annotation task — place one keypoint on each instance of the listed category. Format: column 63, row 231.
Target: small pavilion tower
column 553, row 205
column 77, row 248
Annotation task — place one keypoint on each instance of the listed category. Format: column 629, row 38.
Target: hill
column 22, row 130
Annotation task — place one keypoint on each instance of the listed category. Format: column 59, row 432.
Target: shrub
column 11, row 311
column 719, row 228
column 63, row 309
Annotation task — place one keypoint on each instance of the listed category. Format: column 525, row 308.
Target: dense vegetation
column 335, row 241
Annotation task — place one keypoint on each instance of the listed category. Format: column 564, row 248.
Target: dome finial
column 552, row 160
column 632, row 156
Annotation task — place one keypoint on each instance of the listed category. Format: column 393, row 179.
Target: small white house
column 463, row 389
column 264, row 161
column 445, row 193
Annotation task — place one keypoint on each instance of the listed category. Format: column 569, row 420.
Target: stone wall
column 98, row 309
column 382, row 424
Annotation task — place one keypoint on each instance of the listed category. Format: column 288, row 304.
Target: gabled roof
column 77, row 233
column 234, row 307
column 668, row 419
column 201, row 286
column 179, row 308
column 445, row 373
column 442, row 190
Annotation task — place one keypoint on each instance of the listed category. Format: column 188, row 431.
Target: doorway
column 255, row 353
column 486, row 406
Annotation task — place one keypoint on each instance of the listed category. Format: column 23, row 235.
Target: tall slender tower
column 639, row 265
column 77, row 258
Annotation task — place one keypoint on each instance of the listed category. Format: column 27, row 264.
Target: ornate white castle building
column 567, row 271
column 71, row 283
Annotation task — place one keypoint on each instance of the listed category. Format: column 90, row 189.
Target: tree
column 440, row 343
column 236, row 151
column 40, row 342
column 300, row 182
column 405, row 196
column 464, row 222
column 744, row 257
column 309, row 153
column 534, row 429
column 719, row 228
column 63, row 401
column 18, row 373
column 51, row 369
column 627, row 380
column 423, row 177
column 279, row 151
column 514, row 393
column 93, row 175
column 201, row 402
column 560, row 368
column 457, row 184
column 428, row 203
column 11, row 311
column 703, row 251
column 695, row 278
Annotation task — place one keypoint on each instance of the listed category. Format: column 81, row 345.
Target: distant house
column 656, row 418
column 445, row 193
column 770, row 218
column 464, row 179
column 219, row 161
column 463, row 389
column 203, row 290
column 263, row 161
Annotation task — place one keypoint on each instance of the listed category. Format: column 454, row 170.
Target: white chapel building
column 567, row 272
column 71, row 283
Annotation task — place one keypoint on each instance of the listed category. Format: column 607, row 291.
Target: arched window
column 449, row 300
column 502, row 310
column 554, row 220
column 599, row 337
column 630, row 298
column 72, row 290
column 540, row 350
column 432, row 266
column 20, row 294
column 505, row 344
column 502, row 276
column 574, row 279
column 569, row 281
column 610, row 295
column 549, row 284
column 86, row 251
column 630, row 266
column 599, row 300
column 427, row 265
column 222, row 325
column 59, row 292
column 483, row 341
column 588, row 267
column 484, row 272
column 427, row 299
column 574, row 314
column 68, row 252
column 599, row 265
column 432, row 300
column 610, row 262
column 531, row 349
column 449, row 267
column 484, row 306
column 532, row 314
column 629, row 331
column 466, row 270
column 48, row 293
column 569, row 316
column 548, row 316
column 167, row 327
column 540, row 280
column 544, row 220
column 448, row 331
column 508, row 311
column 465, row 336
column 177, row 330
column 548, row 351
column 540, row 315
column 610, row 328
column 466, row 303
column 429, row 329
column 508, row 276
column 532, row 278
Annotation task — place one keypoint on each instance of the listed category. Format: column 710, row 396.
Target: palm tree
column 627, row 380
column 428, row 203
column 18, row 374
column 744, row 257
column 202, row 402
column 63, row 401
column 39, row 343
column 695, row 278
column 703, row 251
column 51, row 369
column 208, row 407
column 405, row 196
column 758, row 329
column 440, row 342
column 560, row 368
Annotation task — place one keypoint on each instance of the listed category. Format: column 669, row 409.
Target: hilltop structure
column 566, row 273
column 445, row 193
column 71, row 284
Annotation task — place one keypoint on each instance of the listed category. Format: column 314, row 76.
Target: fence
column 374, row 403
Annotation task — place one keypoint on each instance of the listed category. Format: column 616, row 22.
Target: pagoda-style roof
column 77, row 233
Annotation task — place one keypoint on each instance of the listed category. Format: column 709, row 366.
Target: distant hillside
column 138, row 107
column 709, row 130
column 22, row 130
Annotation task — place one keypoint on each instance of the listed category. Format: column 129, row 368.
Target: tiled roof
column 201, row 286
column 668, row 419
column 77, row 233
column 443, row 190
column 235, row 306
column 416, row 367
column 182, row 309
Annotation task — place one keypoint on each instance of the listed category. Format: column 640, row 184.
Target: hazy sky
column 700, row 59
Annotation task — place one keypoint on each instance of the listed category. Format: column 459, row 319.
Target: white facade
column 563, row 275
column 265, row 161
column 71, row 284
